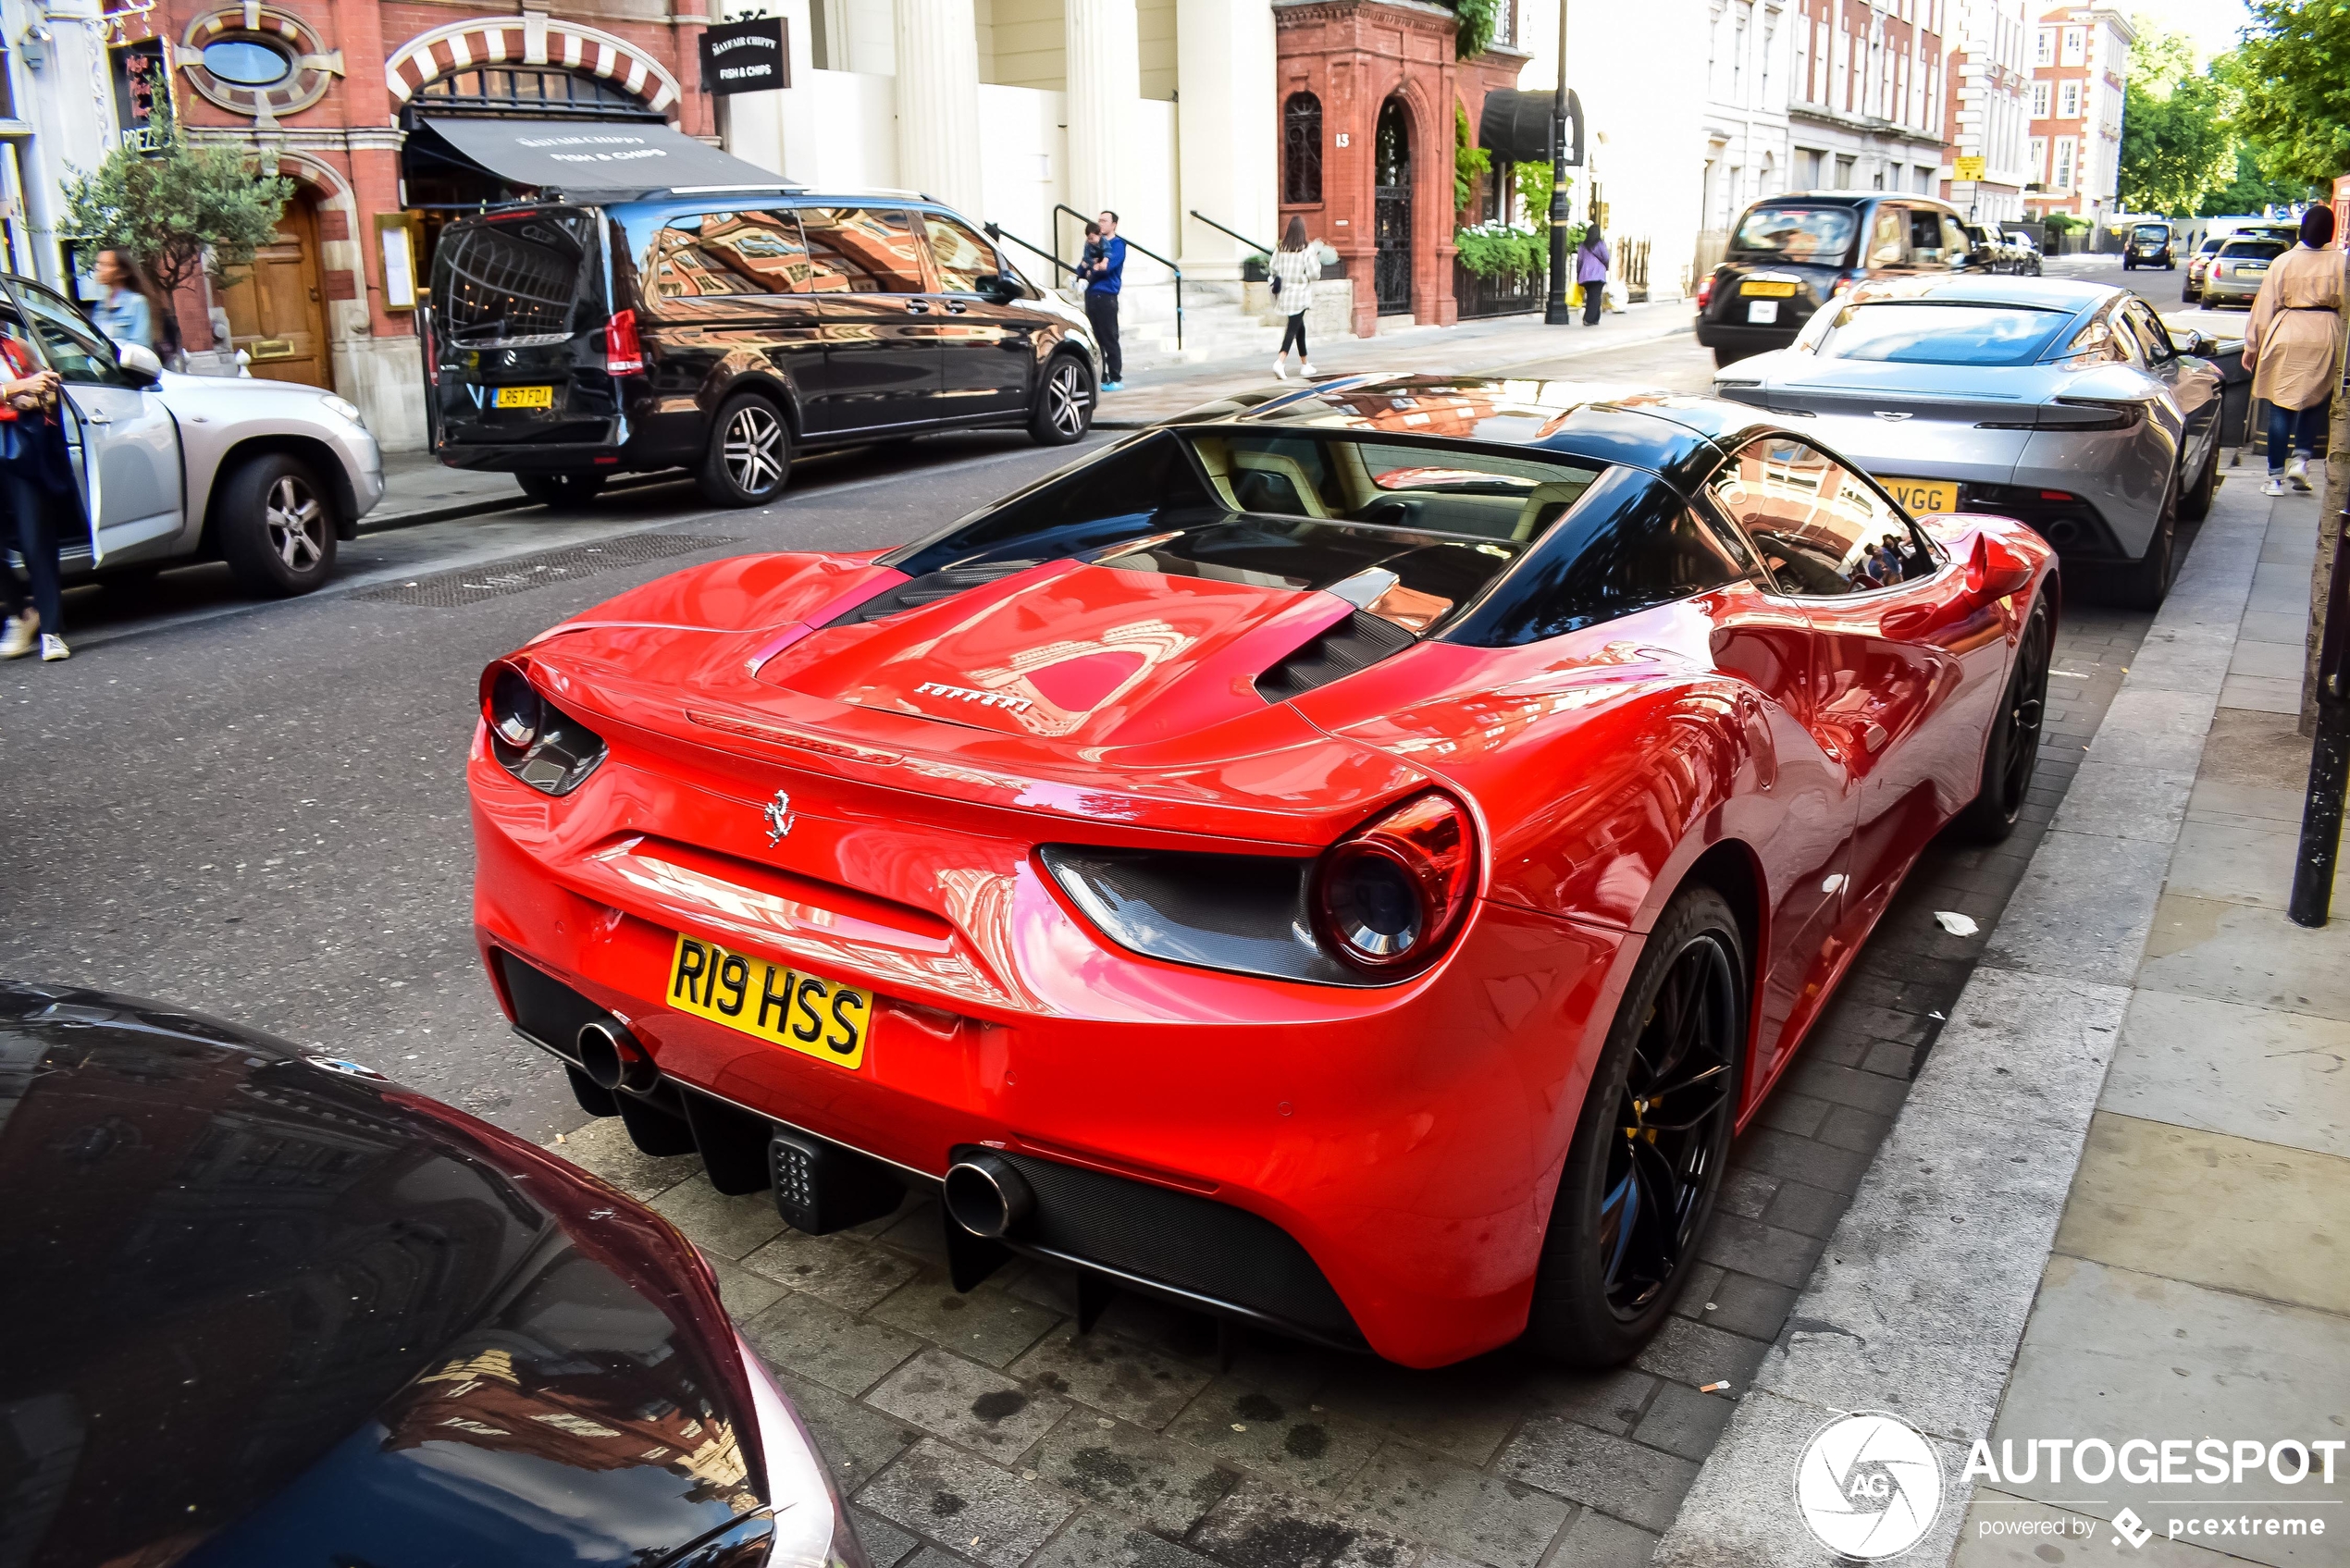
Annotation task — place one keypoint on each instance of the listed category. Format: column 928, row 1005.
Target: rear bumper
column 1742, row 340
column 1407, row 1140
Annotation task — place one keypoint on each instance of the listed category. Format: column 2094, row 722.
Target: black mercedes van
column 1790, row 254
column 722, row 334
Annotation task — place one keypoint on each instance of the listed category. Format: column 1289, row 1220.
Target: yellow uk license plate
column 1920, row 497
column 818, row 1018
column 1768, row 290
column 525, row 397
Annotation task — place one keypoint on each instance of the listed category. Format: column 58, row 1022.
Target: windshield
column 513, row 279
column 1910, row 332
column 2150, row 231
column 1798, row 234
column 2253, row 250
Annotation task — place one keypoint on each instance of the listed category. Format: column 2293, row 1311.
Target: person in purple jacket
column 1590, row 270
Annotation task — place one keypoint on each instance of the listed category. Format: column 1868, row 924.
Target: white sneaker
column 17, row 637
column 53, row 648
column 2275, row 486
column 1304, row 368
column 1281, row 370
column 2297, row 473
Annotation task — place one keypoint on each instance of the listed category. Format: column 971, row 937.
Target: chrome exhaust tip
column 612, row 1058
column 986, row 1195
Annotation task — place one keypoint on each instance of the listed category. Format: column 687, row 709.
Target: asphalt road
column 258, row 810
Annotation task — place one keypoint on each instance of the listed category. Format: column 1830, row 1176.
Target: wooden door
column 273, row 309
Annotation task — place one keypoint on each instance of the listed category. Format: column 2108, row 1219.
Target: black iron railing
column 1508, row 294
column 1252, row 244
column 997, row 232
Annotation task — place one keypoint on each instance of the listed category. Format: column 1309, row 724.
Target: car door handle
column 95, row 416
column 955, row 307
column 917, row 307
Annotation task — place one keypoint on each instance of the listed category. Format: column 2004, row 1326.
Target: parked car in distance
column 2239, row 267
column 266, row 475
column 1789, row 255
column 1225, row 774
column 2148, row 245
column 271, row 1308
column 2026, row 246
column 724, row 334
column 2191, row 287
column 2066, row 405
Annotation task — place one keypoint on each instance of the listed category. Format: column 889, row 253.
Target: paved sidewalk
column 2112, row 1208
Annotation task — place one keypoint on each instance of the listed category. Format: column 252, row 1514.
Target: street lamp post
column 1555, row 310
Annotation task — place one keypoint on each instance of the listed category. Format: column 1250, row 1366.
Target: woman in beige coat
column 2288, row 346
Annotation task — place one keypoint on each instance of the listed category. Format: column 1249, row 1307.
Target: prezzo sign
column 744, row 57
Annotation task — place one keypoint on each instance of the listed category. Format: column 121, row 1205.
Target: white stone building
column 1748, row 146
column 1991, row 109
column 1869, row 92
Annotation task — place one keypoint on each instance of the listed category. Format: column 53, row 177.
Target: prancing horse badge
column 779, row 818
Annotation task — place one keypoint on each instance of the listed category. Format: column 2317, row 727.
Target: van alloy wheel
column 1064, row 401
column 755, row 449
column 297, row 523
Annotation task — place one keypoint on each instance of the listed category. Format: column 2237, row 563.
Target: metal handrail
column 1233, row 232
column 1060, row 207
column 997, row 231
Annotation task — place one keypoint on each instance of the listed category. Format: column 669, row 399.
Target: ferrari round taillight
column 509, row 704
column 1390, row 896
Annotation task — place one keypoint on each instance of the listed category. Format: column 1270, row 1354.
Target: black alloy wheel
column 2011, row 751
column 749, row 457
column 560, row 492
column 2195, row 505
column 277, row 526
column 1064, row 409
column 2144, row 582
column 1654, row 1138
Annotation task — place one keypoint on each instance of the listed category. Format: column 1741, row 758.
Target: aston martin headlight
column 532, row 738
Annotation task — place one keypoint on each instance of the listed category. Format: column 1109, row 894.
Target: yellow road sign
column 1967, row 169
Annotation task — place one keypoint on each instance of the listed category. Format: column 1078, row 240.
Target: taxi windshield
column 1796, row 234
column 2150, row 231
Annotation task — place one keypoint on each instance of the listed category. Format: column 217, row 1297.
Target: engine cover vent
column 1357, row 643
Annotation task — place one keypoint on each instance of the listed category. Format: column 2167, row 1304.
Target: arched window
column 1302, row 149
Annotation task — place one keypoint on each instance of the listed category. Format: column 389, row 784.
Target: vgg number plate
column 525, row 397
column 800, row 1012
column 1922, row 497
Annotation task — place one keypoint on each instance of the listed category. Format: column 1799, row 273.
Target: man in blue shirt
column 1101, row 279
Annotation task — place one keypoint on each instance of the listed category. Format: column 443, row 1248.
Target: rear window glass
column 514, row 280
column 1797, row 234
column 2257, row 250
column 1905, row 332
column 2150, row 231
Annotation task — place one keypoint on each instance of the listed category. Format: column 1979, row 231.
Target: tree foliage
column 1470, row 163
column 2177, row 142
column 177, row 212
column 2249, row 191
column 1478, row 20
column 2292, row 71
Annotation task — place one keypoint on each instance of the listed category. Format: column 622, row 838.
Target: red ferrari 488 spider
column 1346, row 860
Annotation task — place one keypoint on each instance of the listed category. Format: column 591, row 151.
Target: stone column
column 939, row 102
column 1229, row 135
column 1102, row 62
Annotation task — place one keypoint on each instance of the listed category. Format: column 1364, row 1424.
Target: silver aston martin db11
column 2065, row 404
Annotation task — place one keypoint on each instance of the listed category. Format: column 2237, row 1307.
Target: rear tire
column 560, row 492
column 276, row 526
column 749, row 460
column 1651, row 1144
column 1064, row 410
column 2146, row 581
column 2195, row 505
column 2011, row 751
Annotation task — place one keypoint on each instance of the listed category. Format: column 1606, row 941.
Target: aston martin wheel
column 2195, row 505
column 1648, row 1157
column 1064, row 409
column 749, row 459
column 2146, row 582
column 2011, row 751
column 276, row 525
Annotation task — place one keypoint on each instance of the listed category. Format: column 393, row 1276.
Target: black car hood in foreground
column 261, row 1310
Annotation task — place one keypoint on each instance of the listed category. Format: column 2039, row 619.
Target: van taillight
column 1705, row 292
column 623, row 354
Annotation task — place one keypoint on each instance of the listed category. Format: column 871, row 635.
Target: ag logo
column 1868, row 1486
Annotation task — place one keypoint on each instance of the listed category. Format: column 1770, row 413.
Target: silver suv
column 268, row 475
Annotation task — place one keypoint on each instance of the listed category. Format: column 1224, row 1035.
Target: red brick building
column 336, row 97
column 1369, row 92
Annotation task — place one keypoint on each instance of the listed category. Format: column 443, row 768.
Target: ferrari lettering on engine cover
column 1003, row 699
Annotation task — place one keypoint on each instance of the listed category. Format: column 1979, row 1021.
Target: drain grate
column 520, row 574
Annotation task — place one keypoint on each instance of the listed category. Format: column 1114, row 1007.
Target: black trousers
column 1102, row 310
column 1594, row 295
column 32, row 528
column 1295, row 333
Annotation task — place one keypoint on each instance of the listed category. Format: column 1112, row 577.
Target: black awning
column 608, row 159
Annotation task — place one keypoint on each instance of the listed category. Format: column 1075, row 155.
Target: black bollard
column 2330, row 757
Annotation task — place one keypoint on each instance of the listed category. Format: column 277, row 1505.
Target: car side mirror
column 140, row 360
column 1995, row 570
column 2198, row 345
column 998, row 288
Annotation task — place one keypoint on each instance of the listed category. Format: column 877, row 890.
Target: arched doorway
column 275, row 309
column 1391, row 209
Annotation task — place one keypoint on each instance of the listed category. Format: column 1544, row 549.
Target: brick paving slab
column 949, row 1418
